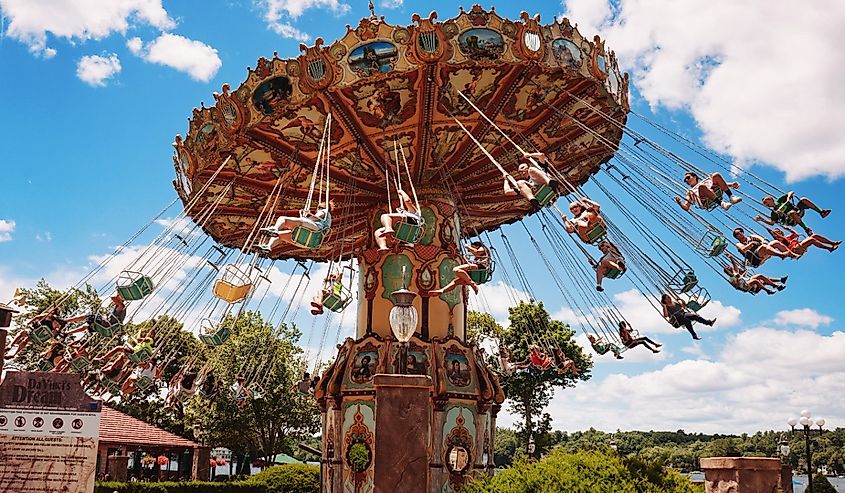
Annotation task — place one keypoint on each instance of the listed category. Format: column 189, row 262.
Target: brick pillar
column 786, row 479
column 741, row 474
column 200, row 469
column 403, row 429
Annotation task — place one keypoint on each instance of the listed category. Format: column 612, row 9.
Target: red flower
column 162, row 460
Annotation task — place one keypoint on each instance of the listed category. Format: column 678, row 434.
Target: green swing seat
column 698, row 300
column 408, row 232
column 596, row 233
column 111, row 386
column 218, row 337
column 307, row 238
column 144, row 383
column 717, row 246
column 40, row 334
column 105, row 330
column 141, row 353
column 80, row 363
column 614, row 274
column 684, row 281
column 481, row 276
column 45, row 365
column 712, row 204
column 134, row 286
column 545, row 195
column 337, row 299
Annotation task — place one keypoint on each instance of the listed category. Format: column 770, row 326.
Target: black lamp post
column 806, row 423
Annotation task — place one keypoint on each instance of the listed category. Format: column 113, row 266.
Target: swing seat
column 596, row 233
column 719, row 244
column 712, row 204
column 217, row 338
column 45, row 365
column 40, row 334
column 105, row 330
column 689, row 281
column 233, row 286
column 335, row 301
column 545, row 195
column 80, row 363
column 699, row 299
column 134, row 286
column 480, row 276
column 142, row 353
column 614, row 274
column 112, row 387
column 408, row 232
column 144, row 383
column 307, row 238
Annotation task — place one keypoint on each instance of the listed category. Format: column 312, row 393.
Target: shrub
column 289, row 478
column 822, row 485
column 191, row 487
column 584, row 472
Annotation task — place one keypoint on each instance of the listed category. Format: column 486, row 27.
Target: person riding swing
column 586, row 222
column 318, row 221
column 611, row 264
column 529, row 180
column 707, row 194
column 796, row 245
column 738, row 278
column 677, row 313
column 331, row 285
column 407, row 212
column 785, row 211
column 602, row 346
column 480, row 260
column 626, row 335
column 757, row 250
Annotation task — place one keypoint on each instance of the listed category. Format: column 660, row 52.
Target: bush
column 289, row 478
column 191, row 487
column 584, row 472
column 822, row 485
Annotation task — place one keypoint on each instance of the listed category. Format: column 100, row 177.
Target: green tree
column 505, row 447
column 821, row 484
column 531, row 390
column 270, row 361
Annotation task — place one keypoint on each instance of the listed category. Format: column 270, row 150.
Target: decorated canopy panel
column 388, row 85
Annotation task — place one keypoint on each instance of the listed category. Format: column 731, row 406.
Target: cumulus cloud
column 759, row 78
column 7, row 227
column 29, row 21
column 747, row 386
column 197, row 59
column 804, row 317
column 277, row 14
column 96, row 70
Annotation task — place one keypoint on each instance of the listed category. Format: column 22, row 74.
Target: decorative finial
column 372, row 10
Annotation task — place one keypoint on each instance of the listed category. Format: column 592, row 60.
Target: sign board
column 49, row 429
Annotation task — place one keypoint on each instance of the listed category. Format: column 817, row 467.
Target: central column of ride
column 419, row 417
column 427, row 265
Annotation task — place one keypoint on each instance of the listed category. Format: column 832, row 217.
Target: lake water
column 799, row 483
column 838, row 483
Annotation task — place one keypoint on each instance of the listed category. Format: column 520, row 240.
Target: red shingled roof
column 116, row 427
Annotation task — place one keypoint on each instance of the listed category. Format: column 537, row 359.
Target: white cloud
column 805, row 317
column 759, row 377
column 31, row 20
column 740, row 69
column 7, row 227
column 391, row 4
column 195, row 58
column 276, row 13
column 46, row 237
column 96, row 70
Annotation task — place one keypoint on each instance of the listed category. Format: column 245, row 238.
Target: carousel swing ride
column 379, row 155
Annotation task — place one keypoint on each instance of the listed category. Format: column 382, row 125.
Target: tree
column 531, row 390
column 269, row 361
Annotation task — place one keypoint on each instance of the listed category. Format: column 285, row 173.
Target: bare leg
column 508, row 189
column 805, row 203
column 769, row 249
column 538, row 176
column 721, row 184
column 706, row 194
column 601, row 270
column 819, row 241
column 381, row 238
column 526, row 192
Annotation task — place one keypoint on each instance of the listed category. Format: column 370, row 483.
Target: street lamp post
column 531, row 447
column 806, row 423
column 403, row 320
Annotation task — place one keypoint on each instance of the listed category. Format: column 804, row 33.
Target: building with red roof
column 128, row 447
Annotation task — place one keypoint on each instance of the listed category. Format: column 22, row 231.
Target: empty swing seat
column 337, row 298
column 216, row 337
column 111, row 386
column 234, row 285
column 40, row 334
column 45, row 365
column 596, row 233
column 698, row 299
column 141, row 353
column 545, row 195
column 684, row 281
column 717, row 246
column 307, row 238
column 134, row 286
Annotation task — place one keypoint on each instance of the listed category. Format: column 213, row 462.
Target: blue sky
column 86, row 161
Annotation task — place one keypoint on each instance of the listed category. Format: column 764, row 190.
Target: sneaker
column 710, row 322
column 599, row 288
column 535, row 204
column 784, row 279
column 735, row 200
column 554, row 184
column 726, row 205
column 825, row 213
column 697, row 338
column 269, row 230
